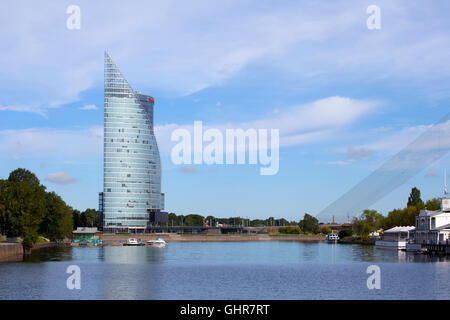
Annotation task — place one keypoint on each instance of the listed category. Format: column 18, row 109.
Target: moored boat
column 332, row 238
column 133, row 242
column 157, row 243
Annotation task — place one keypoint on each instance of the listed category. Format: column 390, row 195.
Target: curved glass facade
column 132, row 167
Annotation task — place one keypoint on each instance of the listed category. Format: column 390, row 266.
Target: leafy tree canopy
column 309, row 224
column 23, row 175
column 414, row 199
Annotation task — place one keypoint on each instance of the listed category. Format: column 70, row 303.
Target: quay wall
column 11, row 252
column 109, row 239
column 14, row 251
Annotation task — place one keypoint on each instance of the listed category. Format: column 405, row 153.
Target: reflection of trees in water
column 363, row 253
column 58, row 253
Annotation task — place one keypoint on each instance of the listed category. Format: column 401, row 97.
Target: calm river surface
column 226, row 270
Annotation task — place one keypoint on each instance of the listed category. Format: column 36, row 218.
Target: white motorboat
column 133, row 242
column 157, row 243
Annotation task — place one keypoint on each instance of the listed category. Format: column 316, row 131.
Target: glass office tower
column 132, row 167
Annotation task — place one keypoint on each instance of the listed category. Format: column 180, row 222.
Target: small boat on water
column 133, row 242
column 157, row 243
column 332, row 238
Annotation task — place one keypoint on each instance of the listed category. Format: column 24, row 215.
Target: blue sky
column 344, row 97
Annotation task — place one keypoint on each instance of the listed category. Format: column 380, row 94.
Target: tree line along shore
column 33, row 215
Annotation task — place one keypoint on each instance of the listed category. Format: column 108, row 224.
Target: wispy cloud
column 300, row 124
column 60, row 178
column 89, row 107
column 185, row 51
column 355, row 153
column 54, row 143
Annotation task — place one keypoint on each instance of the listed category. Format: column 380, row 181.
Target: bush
column 289, row 230
column 345, row 233
column 326, row 230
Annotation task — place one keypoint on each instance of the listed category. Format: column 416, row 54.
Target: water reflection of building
column 132, row 272
column 132, row 255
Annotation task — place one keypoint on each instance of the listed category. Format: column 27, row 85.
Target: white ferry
column 395, row 239
column 332, row 238
column 157, row 243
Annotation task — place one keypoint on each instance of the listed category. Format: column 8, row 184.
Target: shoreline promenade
column 110, row 239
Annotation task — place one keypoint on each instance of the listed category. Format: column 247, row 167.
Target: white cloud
column 89, row 107
column 182, row 49
column 60, row 178
column 316, row 121
column 355, row 153
column 51, row 143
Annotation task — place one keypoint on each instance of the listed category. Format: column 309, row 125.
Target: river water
column 226, row 270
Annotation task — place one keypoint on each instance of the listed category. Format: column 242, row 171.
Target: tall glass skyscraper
column 132, row 166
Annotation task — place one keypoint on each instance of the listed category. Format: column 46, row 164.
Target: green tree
column 257, row 223
column 326, row 230
column 22, row 209
column 309, row 224
column 369, row 221
column 57, row 222
column 433, row 204
column 289, row 230
column 281, row 222
column 90, row 218
column 24, row 175
column 401, row 217
column 414, row 199
column 345, row 233
column 76, row 218
column 172, row 219
column 4, row 214
column 194, row 220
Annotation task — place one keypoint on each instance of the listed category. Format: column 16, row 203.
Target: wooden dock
column 438, row 249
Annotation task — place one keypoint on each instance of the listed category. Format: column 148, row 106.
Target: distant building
column 396, row 238
column 158, row 218
column 86, row 236
column 100, row 207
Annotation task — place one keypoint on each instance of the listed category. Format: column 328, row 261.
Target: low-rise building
column 433, row 227
column 396, row 238
column 86, row 236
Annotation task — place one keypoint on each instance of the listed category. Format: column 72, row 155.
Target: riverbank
column 14, row 251
column 110, row 239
